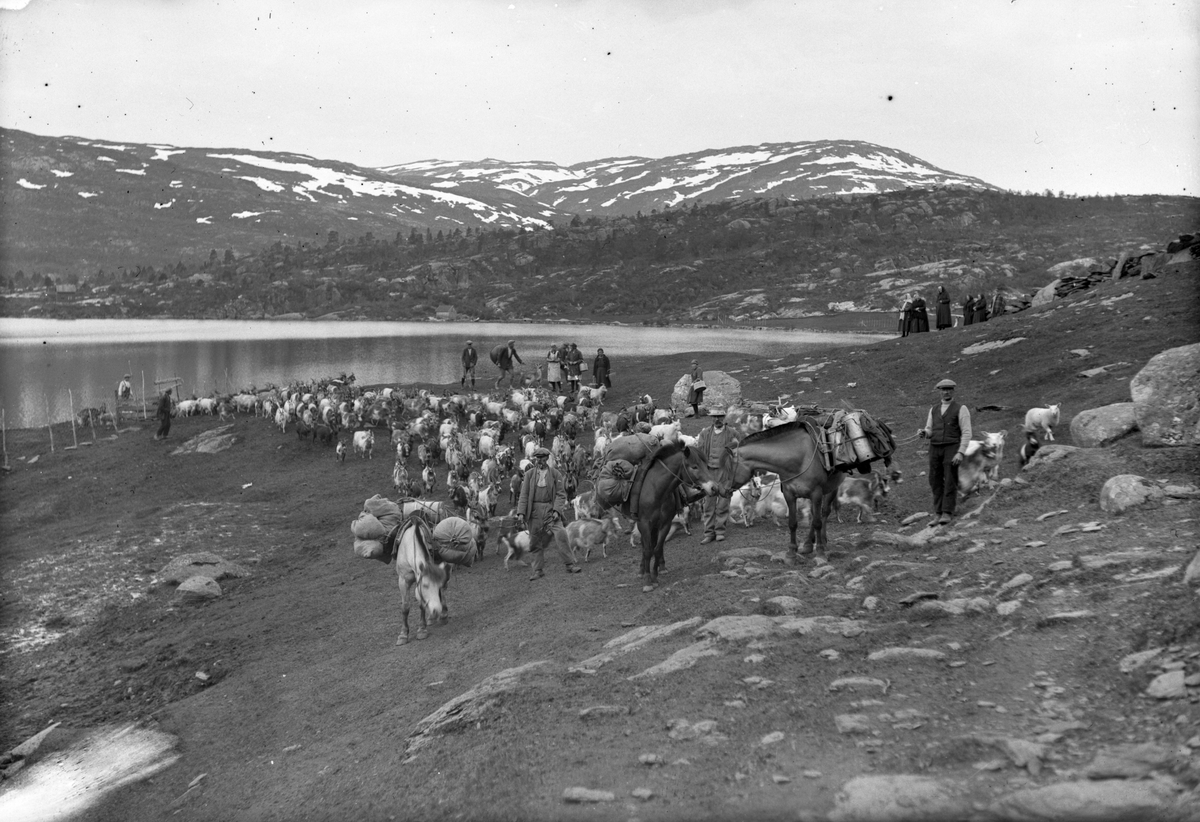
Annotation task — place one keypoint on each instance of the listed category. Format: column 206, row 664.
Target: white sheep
column 1042, row 420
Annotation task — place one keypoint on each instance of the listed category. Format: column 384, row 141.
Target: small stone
column 905, row 652
column 1007, row 608
column 203, row 677
column 1012, row 523
column 852, row 723
column 811, row 774
column 1192, row 681
column 1036, row 543
column 780, row 779
column 858, row 683
column 598, row 711
column 830, row 654
column 1168, row 686
column 958, row 663
column 911, row 518
column 1061, row 565
column 644, row 794
column 1017, row 581
column 870, row 603
column 581, row 795
column 771, row 738
column 650, row 759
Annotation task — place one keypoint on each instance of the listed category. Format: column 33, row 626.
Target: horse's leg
column 789, row 497
column 423, row 630
column 819, row 502
column 403, row 638
column 645, row 531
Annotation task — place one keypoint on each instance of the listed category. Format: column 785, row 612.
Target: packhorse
column 417, row 571
column 790, row 450
column 658, row 501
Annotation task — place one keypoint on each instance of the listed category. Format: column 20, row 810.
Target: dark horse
column 658, row 502
column 790, row 450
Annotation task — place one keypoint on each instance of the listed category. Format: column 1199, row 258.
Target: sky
column 1081, row 96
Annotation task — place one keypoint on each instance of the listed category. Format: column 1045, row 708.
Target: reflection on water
column 42, row 359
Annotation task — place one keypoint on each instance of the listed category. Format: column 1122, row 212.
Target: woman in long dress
column 920, row 316
column 981, row 311
column 944, row 320
column 554, row 376
column 968, row 307
column 905, row 315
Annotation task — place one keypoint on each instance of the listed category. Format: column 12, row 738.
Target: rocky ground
column 1039, row 659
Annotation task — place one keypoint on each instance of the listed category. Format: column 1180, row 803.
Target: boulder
column 1101, row 426
column 1191, row 575
column 210, row 442
column 1166, row 393
column 1046, row 294
column 198, row 589
column 201, row 563
column 897, row 798
column 721, row 392
column 1108, row 799
column 1126, row 491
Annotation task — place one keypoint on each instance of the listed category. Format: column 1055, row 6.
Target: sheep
column 1042, row 420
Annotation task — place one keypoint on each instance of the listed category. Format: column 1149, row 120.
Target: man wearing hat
column 469, row 358
column 948, row 428
column 125, row 389
column 541, row 509
column 712, row 443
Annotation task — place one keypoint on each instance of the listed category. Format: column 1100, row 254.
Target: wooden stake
column 143, row 396
column 49, row 426
column 74, row 436
column 4, row 437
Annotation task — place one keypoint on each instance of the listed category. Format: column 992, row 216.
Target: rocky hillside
column 626, row 185
column 764, row 261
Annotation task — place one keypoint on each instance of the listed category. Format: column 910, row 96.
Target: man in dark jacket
column 944, row 319
column 163, row 415
column 948, row 428
column 542, row 509
column 469, row 358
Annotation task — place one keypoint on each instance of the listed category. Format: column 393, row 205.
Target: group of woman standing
column 914, row 316
column 567, row 360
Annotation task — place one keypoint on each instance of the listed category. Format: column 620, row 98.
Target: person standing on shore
column 981, row 309
column 601, row 369
column 944, row 320
column 574, row 360
column 125, row 389
column 968, row 309
column 696, row 390
column 905, row 315
column 163, row 415
column 948, row 429
column 469, row 358
column 554, row 372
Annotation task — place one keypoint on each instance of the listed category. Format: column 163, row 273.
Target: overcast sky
column 1083, row 96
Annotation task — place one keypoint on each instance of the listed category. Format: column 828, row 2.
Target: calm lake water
column 42, row 359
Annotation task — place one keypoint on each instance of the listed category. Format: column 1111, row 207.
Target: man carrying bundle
column 542, row 510
column 503, row 356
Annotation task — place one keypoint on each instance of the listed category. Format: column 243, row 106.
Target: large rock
column 198, row 589
column 210, row 442
column 898, row 798
column 1109, row 799
column 1045, row 295
column 201, row 563
column 1126, row 491
column 1100, row 426
column 1166, row 393
column 721, row 392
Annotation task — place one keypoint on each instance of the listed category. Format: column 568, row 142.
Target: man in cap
column 948, row 427
column 696, row 388
column 469, row 357
column 125, row 389
column 712, row 443
column 541, row 509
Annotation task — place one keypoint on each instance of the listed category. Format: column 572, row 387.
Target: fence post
column 4, row 437
column 74, row 436
column 49, row 425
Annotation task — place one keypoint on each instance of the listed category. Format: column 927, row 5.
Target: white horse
column 416, row 571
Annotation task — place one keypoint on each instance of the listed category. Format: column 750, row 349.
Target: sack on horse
column 615, row 481
column 374, row 528
column 454, row 542
column 853, row 440
column 632, row 448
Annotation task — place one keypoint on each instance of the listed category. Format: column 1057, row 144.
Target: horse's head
column 696, row 471
column 431, row 581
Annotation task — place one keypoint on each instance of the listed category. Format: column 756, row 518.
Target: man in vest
column 541, row 508
column 712, row 443
column 948, row 428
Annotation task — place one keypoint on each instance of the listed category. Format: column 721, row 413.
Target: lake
column 43, row 359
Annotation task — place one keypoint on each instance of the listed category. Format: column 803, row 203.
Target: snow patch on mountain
column 23, row 183
column 58, row 173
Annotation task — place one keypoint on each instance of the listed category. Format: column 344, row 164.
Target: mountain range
column 73, row 205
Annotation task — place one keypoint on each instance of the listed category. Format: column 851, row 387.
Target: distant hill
column 626, row 185
column 76, row 204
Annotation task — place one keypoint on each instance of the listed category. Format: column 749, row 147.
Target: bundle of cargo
column 853, row 440
column 620, row 470
column 379, row 518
